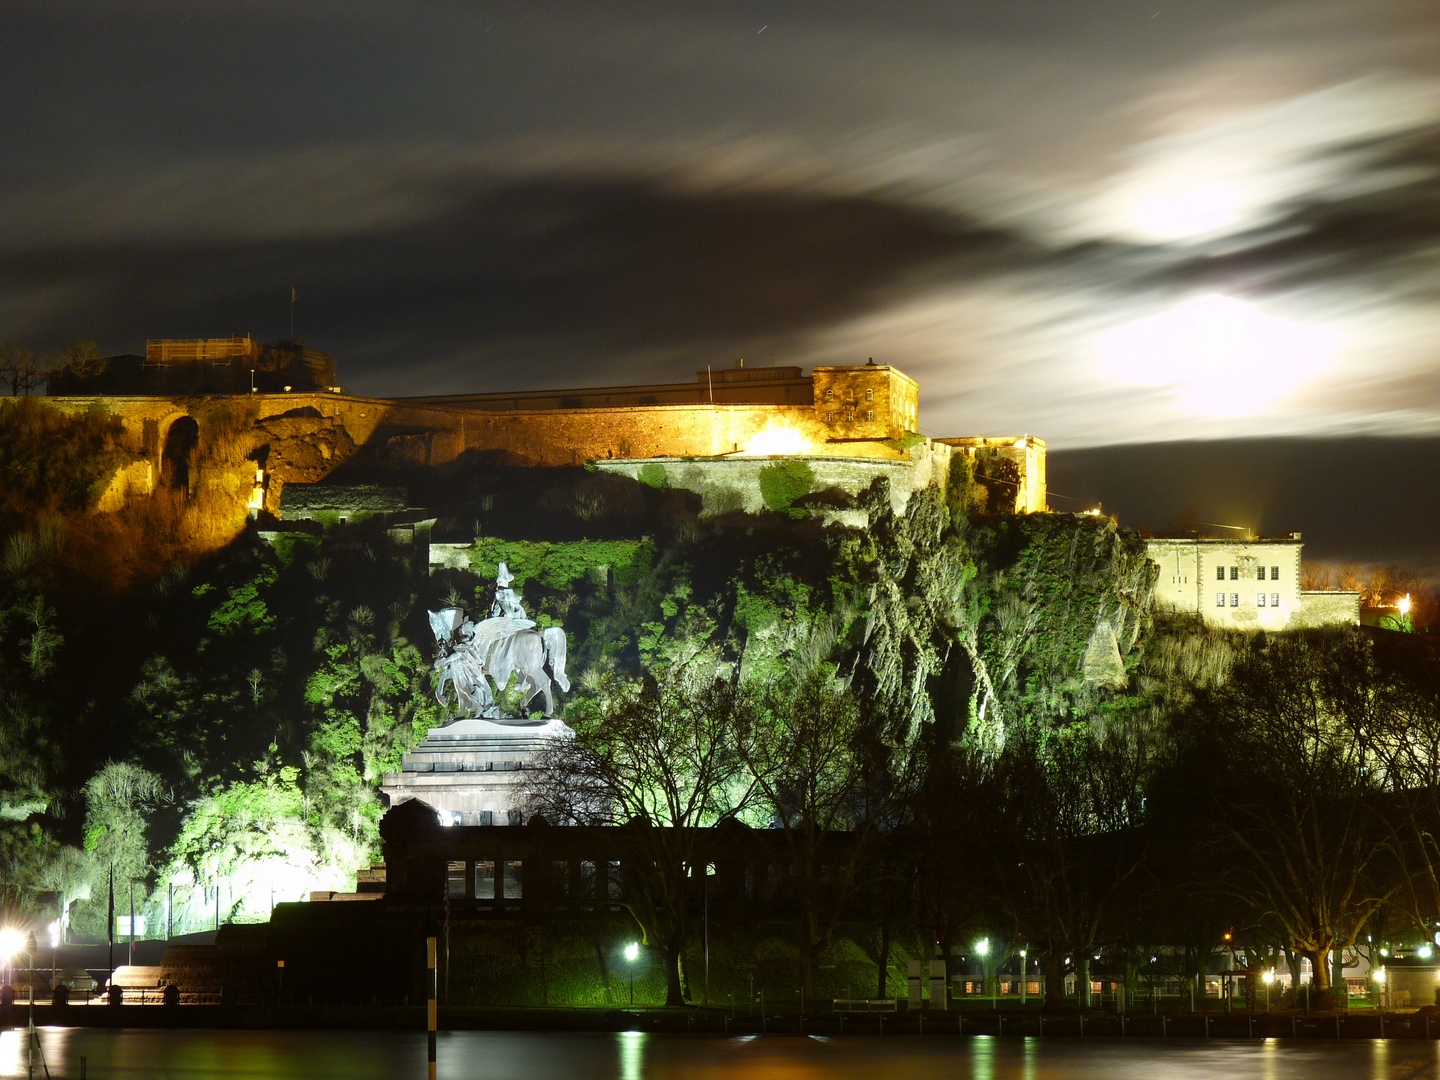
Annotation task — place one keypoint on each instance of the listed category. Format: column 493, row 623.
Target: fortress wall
column 302, row 437
column 1326, row 609
column 573, row 436
column 732, row 484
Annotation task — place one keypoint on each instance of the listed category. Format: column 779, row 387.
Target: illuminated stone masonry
column 853, row 423
column 1251, row 584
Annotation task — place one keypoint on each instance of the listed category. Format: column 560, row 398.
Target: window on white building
column 1274, row 599
column 1234, row 599
column 1219, row 573
column 1219, row 599
column 1259, row 573
column 1274, row 573
column 485, row 880
column 1234, row 573
column 1260, row 599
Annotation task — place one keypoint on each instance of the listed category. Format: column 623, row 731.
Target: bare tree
column 658, row 756
column 20, row 370
column 1298, row 799
column 80, row 359
column 821, row 770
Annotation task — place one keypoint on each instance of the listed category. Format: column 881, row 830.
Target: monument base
column 472, row 771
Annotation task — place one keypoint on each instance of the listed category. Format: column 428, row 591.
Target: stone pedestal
column 473, row 771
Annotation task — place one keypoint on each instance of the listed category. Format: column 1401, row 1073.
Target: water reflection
column 632, row 1055
column 232, row 1055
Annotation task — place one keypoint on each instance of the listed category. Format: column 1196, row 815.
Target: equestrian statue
column 474, row 653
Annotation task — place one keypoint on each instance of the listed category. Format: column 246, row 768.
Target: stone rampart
column 303, row 437
column 1330, row 608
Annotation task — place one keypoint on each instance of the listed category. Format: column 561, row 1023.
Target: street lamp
column 1024, row 975
column 982, row 950
column 11, row 942
column 1268, row 978
column 632, row 953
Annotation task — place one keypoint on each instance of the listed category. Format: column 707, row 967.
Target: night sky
column 1104, row 222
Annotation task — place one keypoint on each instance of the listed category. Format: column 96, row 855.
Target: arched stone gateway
column 182, row 439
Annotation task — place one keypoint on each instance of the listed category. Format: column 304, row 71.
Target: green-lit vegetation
column 994, row 691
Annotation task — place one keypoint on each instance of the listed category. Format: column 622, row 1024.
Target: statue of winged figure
column 493, row 648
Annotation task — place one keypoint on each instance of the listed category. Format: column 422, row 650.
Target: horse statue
column 494, row 648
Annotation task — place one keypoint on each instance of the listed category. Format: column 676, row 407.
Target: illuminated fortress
column 713, row 435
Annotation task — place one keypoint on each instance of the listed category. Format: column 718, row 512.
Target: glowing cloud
column 1223, row 356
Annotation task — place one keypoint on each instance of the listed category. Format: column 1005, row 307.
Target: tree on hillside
column 21, row 371
column 119, row 799
column 79, row 359
column 657, row 755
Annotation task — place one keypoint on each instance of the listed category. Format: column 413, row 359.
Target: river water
column 223, row 1055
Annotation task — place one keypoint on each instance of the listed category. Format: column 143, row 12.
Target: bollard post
column 430, row 1011
column 1207, row 1025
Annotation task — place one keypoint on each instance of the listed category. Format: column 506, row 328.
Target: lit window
column 1219, row 599
column 830, row 417
column 1234, row 599
column 1234, row 573
column 485, row 880
column 869, row 395
column 1274, row 599
column 455, row 878
column 1260, row 599
column 1274, row 573
column 1259, row 573
column 869, row 414
column 849, row 415
column 514, row 879
column 1219, row 573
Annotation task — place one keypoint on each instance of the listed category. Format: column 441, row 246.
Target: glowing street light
column 632, row 953
column 12, row 942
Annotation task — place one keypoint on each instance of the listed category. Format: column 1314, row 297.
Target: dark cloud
column 1362, row 500
column 572, row 274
